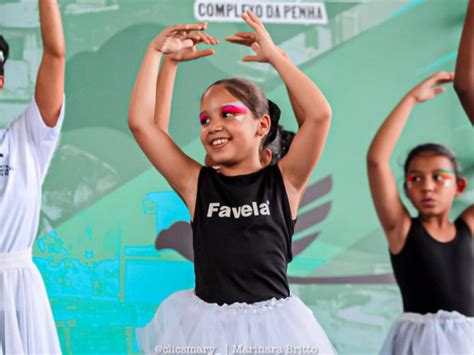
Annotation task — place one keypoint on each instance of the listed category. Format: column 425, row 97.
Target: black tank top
column 434, row 275
column 242, row 232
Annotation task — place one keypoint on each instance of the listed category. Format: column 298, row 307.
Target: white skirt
column 435, row 334
column 186, row 324
column 26, row 321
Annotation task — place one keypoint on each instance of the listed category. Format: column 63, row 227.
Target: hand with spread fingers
column 191, row 53
column 248, row 39
column 431, row 87
column 260, row 40
column 175, row 38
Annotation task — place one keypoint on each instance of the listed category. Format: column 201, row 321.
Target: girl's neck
column 439, row 221
column 243, row 168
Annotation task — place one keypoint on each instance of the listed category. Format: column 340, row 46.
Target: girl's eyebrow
column 445, row 171
column 235, row 104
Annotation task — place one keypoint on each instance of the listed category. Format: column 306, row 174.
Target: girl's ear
column 461, row 184
column 267, row 156
column 263, row 125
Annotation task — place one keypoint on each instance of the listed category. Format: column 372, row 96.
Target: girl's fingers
column 255, row 46
column 203, row 53
column 440, row 90
column 438, row 79
column 199, row 37
column 251, row 23
column 203, row 38
column 194, row 36
column 188, row 27
column 254, row 18
column 252, row 58
column 442, row 81
column 245, row 34
column 443, row 76
column 212, row 40
column 237, row 40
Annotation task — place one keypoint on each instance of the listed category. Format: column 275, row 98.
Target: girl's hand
column 260, row 40
column 248, row 39
column 175, row 38
column 191, row 53
column 431, row 87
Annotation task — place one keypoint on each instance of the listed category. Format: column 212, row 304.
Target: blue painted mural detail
column 168, row 208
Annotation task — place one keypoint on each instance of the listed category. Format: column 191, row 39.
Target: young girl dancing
column 277, row 141
column 26, row 148
column 432, row 257
column 242, row 217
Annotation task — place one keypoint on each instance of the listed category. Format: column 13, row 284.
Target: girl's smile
column 229, row 130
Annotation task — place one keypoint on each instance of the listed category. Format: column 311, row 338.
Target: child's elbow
column 324, row 115
column 373, row 160
column 133, row 124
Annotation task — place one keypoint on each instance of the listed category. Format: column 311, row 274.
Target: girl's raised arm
column 464, row 81
column 167, row 75
column 392, row 214
column 179, row 170
column 49, row 89
column 248, row 39
column 313, row 111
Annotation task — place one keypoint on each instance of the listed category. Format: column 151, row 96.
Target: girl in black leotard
column 432, row 257
column 242, row 217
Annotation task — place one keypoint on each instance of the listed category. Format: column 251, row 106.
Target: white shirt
column 26, row 149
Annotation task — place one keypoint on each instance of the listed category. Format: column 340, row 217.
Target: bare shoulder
column 468, row 217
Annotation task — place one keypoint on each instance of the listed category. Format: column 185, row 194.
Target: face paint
column 446, row 177
column 440, row 177
column 203, row 118
column 411, row 179
column 236, row 109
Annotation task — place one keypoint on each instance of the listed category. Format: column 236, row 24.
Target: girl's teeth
column 219, row 141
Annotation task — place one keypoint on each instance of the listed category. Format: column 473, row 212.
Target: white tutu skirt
column 26, row 322
column 186, row 324
column 446, row 333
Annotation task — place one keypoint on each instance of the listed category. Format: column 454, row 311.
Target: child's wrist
column 411, row 98
column 278, row 55
column 170, row 61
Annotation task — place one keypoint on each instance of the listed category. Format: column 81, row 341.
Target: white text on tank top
column 215, row 209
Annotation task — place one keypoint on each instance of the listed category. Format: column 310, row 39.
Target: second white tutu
column 185, row 323
column 443, row 333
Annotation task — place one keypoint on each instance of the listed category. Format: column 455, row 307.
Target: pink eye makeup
column 235, row 109
column 203, row 118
